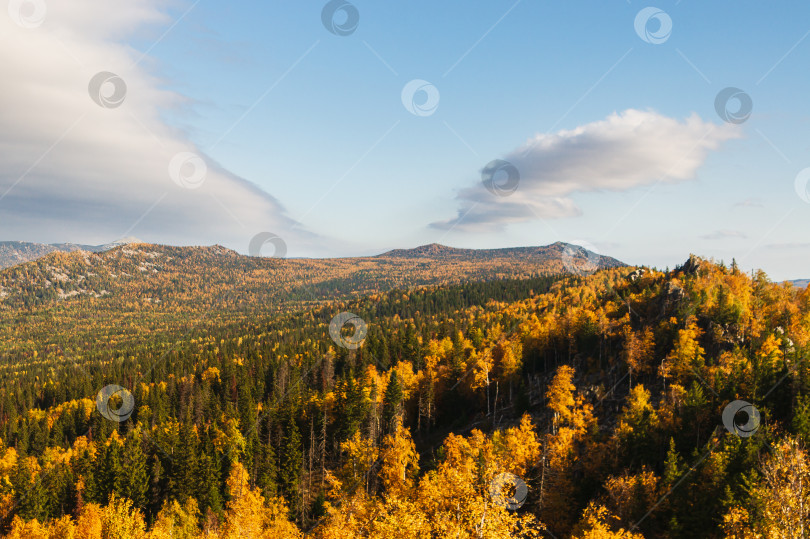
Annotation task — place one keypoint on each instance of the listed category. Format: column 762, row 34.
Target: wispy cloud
column 72, row 170
column 626, row 150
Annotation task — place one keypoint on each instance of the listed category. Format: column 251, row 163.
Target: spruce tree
column 184, row 476
column 266, row 468
column 290, row 462
column 135, row 471
column 351, row 406
column 31, row 499
column 391, row 403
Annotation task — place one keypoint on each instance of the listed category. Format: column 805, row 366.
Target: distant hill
column 192, row 274
column 19, row 252
column 165, row 288
column 555, row 251
column 13, row 253
column 800, row 283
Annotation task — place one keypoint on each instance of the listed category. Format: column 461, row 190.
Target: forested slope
column 546, row 406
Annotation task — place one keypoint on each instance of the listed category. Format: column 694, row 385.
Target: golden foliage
column 247, row 515
column 598, row 523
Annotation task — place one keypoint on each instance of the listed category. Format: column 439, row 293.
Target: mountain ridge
column 559, row 249
column 13, row 253
column 135, row 273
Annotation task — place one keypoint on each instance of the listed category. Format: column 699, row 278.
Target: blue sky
column 265, row 94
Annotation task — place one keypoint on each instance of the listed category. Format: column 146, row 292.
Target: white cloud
column 623, row 151
column 71, row 170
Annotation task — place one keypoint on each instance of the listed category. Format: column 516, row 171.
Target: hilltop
column 556, row 250
column 13, row 253
column 163, row 290
column 191, row 274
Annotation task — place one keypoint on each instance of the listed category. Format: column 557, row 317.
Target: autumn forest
column 166, row 392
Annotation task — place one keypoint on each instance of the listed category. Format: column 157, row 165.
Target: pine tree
column 801, row 417
column 391, row 403
column 266, row 468
column 291, row 460
column 29, row 488
column 135, row 472
column 184, row 476
column 156, row 485
column 352, row 407
column 107, row 476
column 411, row 351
